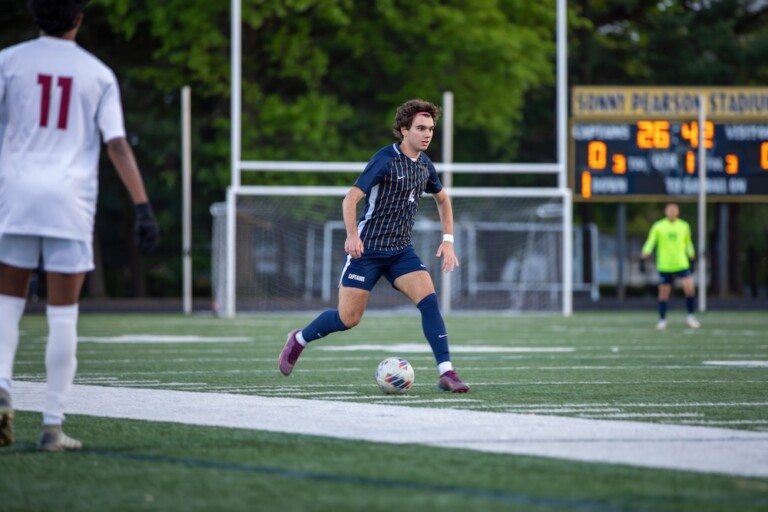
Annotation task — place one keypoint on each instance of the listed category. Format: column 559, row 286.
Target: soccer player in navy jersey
column 379, row 242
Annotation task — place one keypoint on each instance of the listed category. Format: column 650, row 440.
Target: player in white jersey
column 57, row 103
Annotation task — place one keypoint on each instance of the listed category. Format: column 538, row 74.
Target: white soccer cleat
column 53, row 439
column 692, row 322
column 661, row 325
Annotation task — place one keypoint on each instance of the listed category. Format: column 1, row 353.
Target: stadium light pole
column 562, row 155
column 186, row 192
column 445, row 295
column 702, row 213
column 235, row 135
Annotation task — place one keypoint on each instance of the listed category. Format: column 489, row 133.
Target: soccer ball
column 394, row 375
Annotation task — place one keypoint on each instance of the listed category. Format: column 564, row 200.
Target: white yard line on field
column 423, row 348
column 676, row 447
column 161, row 338
column 738, row 364
column 625, row 415
column 652, row 405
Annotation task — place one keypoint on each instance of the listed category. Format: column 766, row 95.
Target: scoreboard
column 615, row 158
column 658, row 157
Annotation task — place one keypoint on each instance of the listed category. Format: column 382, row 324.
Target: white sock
column 11, row 310
column 52, row 421
column 60, row 360
column 444, row 367
column 300, row 339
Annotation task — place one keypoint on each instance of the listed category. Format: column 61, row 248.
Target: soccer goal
column 281, row 248
column 289, row 250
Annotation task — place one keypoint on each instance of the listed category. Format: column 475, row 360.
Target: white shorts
column 59, row 254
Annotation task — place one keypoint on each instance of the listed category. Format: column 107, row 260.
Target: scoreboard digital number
column 655, row 157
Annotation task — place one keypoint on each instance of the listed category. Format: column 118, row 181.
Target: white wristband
column 448, row 238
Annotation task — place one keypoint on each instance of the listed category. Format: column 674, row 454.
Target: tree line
column 321, row 80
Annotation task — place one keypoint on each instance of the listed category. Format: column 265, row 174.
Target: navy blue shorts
column 365, row 271
column 669, row 277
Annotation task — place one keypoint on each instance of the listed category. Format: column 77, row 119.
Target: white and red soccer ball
column 394, row 375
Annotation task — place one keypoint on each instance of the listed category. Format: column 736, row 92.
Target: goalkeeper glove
column 642, row 265
column 146, row 229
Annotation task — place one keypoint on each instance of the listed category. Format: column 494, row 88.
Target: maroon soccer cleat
column 449, row 381
column 290, row 354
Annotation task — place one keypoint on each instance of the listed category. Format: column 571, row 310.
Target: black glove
column 642, row 265
column 146, row 229
column 692, row 265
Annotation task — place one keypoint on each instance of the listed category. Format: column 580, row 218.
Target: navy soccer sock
column 690, row 304
column 326, row 323
column 662, row 309
column 434, row 328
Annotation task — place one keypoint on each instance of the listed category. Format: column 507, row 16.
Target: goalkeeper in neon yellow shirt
column 671, row 237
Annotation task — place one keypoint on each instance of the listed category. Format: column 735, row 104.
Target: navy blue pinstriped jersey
column 393, row 185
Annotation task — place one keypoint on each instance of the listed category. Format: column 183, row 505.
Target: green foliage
column 322, row 78
column 675, row 42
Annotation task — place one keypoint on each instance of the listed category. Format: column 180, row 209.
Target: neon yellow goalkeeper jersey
column 672, row 241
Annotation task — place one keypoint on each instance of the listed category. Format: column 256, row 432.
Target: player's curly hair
column 408, row 110
column 55, row 17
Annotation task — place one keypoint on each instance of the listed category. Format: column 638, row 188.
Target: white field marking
column 96, row 380
column 347, row 359
column 249, row 371
column 739, row 364
column 130, row 383
column 162, row 338
column 217, row 360
column 559, row 368
column 278, row 389
column 41, row 377
column 607, row 382
column 240, row 321
column 171, row 384
column 88, row 378
column 411, row 400
column 736, row 332
column 192, row 360
column 407, row 400
column 641, row 332
column 724, row 422
column 419, row 348
column 654, row 405
column 160, row 385
column 675, row 447
column 227, row 387
column 645, row 415
column 163, row 350
column 565, row 410
column 340, row 394
column 627, row 354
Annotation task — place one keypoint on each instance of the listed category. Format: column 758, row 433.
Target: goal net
column 289, row 250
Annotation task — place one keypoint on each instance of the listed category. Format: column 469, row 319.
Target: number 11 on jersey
column 65, row 84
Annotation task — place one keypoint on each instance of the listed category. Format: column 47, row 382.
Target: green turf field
column 602, row 366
